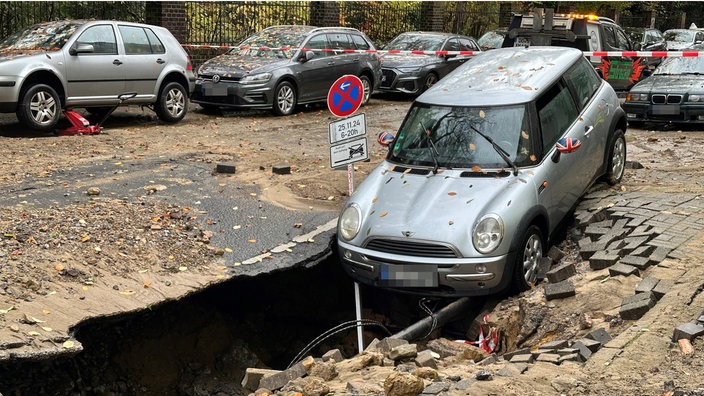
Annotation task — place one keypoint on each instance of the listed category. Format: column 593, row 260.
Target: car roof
column 502, row 76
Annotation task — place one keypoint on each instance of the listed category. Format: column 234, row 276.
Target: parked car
column 492, row 39
column 483, row 168
column 673, row 94
column 684, row 39
column 648, row 39
column 414, row 73
column 281, row 67
column 584, row 32
column 80, row 63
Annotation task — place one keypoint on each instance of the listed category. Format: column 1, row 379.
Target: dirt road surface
column 88, row 253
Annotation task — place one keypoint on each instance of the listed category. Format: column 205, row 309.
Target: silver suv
column 484, row 167
column 80, row 63
column 281, row 67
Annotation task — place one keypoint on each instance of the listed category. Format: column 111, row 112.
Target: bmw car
column 405, row 69
column 484, row 167
column 674, row 93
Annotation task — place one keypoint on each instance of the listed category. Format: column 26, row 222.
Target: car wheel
column 172, row 104
column 429, row 81
column 616, row 164
column 367, row 85
column 39, row 107
column 284, row 99
column 525, row 269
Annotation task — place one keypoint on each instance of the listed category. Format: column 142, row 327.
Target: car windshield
column 273, row 42
column 451, row 137
column 681, row 65
column 682, row 36
column 49, row 36
column 491, row 39
column 416, row 42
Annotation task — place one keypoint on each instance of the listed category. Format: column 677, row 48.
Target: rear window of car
column 138, row 40
column 360, row 43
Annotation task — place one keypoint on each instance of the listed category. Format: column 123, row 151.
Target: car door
column 94, row 69
column 145, row 59
column 317, row 74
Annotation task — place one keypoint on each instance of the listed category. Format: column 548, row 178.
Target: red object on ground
column 80, row 126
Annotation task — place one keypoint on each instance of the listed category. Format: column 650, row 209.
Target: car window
column 339, row 41
column 360, row 43
column 610, row 37
column 622, row 42
column 154, row 42
column 583, row 81
column 452, row 45
column 468, row 45
column 135, row 40
column 319, row 42
column 556, row 112
column 101, row 37
column 700, row 37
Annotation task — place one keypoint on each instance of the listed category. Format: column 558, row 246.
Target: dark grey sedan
column 407, row 70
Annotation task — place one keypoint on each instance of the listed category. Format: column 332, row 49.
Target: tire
column 429, row 81
column 530, row 252
column 616, row 161
column 39, row 107
column 367, row 85
column 285, row 99
column 172, row 104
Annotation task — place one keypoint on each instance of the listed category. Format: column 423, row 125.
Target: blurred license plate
column 421, row 275
column 210, row 89
column 522, row 42
column 666, row 109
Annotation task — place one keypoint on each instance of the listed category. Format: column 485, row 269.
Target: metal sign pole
column 357, row 295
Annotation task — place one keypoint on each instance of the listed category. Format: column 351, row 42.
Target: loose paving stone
column 526, row 358
column 543, row 267
column 660, row 253
column 435, row 388
column 559, row 290
column 700, row 320
column 662, row 287
column 642, row 263
column 573, row 357
column 600, row 335
column 281, row 169
column 555, row 254
column 465, row 384
column 623, row 269
column 583, row 349
column 549, row 358
column 253, row 376
column 567, row 351
column 561, row 273
column 509, row 355
column 687, row 331
column 647, row 284
column 225, row 168
column 643, row 251
column 555, row 345
column 280, row 379
column 634, row 307
column 602, row 259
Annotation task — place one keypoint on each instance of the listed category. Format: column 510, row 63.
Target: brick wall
column 169, row 14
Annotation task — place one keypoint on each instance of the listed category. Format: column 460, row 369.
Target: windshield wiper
column 498, row 149
column 431, row 147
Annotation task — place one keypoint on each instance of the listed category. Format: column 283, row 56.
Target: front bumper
column 229, row 94
column 426, row 276
column 664, row 113
column 394, row 80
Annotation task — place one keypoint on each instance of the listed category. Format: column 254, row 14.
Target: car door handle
column 588, row 131
column 160, row 61
column 116, row 62
column 331, row 63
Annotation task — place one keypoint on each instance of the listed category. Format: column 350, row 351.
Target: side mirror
column 82, row 49
column 385, row 139
column 568, row 145
column 308, row 56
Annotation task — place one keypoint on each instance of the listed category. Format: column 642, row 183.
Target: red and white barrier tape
column 638, row 54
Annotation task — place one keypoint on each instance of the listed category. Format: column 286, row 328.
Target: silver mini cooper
column 483, row 168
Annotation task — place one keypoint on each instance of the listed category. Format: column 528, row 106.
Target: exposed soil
column 62, row 263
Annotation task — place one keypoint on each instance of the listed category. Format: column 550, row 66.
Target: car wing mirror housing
column 385, row 139
column 308, row 56
column 82, row 49
column 565, row 146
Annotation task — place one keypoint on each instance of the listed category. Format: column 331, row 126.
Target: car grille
column 389, row 78
column 228, row 78
column 666, row 99
column 411, row 248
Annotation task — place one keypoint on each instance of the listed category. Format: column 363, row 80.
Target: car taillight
column 189, row 65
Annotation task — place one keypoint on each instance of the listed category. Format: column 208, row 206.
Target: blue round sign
column 345, row 95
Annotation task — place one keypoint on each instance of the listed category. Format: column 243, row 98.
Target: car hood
column 678, row 45
column 671, row 83
column 235, row 65
column 441, row 207
column 8, row 55
column 408, row 60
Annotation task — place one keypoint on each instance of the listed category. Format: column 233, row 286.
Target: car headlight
column 637, row 97
column 410, row 69
column 349, row 223
column 256, row 78
column 695, row 98
column 488, row 233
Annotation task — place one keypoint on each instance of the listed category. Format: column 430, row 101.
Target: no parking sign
column 345, row 95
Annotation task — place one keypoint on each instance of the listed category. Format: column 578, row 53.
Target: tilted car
column 684, row 39
column 413, row 73
column 483, row 168
column 281, row 67
column 648, row 39
column 674, row 93
column 492, row 39
column 81, row 63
